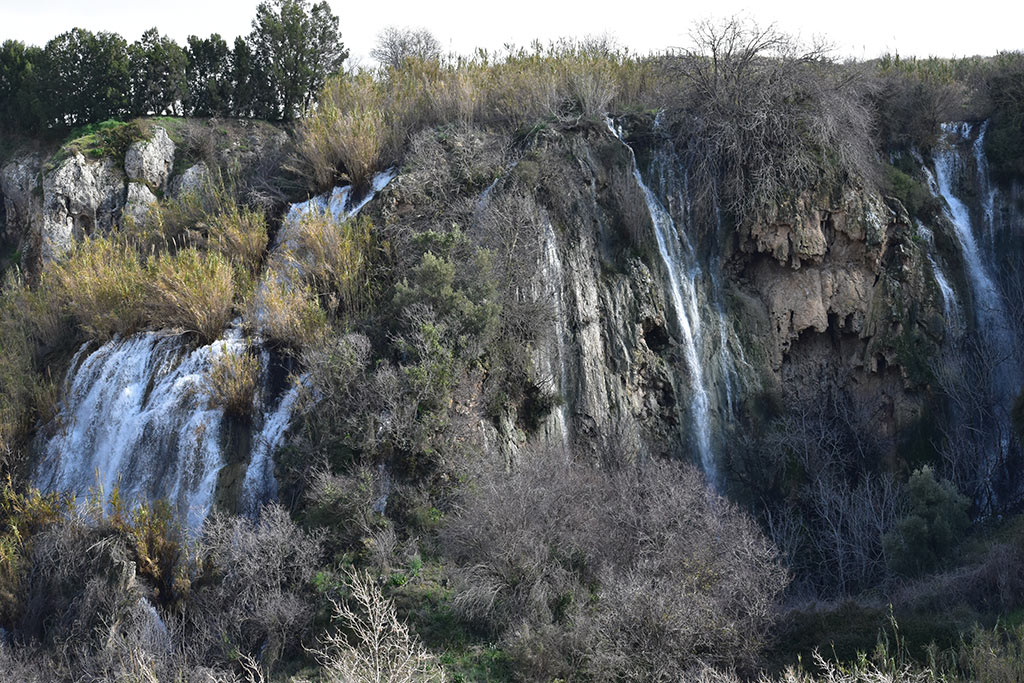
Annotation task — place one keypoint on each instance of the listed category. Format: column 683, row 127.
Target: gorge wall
column 670, row 331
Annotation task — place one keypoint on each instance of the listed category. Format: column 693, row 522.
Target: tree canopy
column 81, row 77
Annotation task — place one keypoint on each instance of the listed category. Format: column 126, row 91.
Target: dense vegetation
column 81, row 77
column 613, row 567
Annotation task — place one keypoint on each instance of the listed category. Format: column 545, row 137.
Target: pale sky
column 861, row 29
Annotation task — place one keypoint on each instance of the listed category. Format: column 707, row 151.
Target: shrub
column 209, row 217
column 22, row 516
column 254, row 598
column 343, row 506
column 232, row 382
column 934, row 526
column 155, row 539
column 384, row 650
column 104, row 284
column 761, row 120
column 348, row 136
column 639, row 573
column 192, row 290
column 284, row 313
column 913, row 97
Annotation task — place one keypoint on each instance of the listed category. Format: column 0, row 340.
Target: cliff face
column 834, row 293
column 667, row 331
column 839, row 294
column 52, row 201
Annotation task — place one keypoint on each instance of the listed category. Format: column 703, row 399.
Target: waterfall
column 990, row 312
column 135, row 415
column 950, row 306
column 683, row 273
column 135, row 412
column 991, row 379
column 259, row 483
column 985, row 187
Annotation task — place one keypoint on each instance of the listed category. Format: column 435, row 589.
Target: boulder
column 150, row 161
column 191, row 180
column 80, row 197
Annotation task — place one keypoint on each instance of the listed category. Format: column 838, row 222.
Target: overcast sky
column 861, row 29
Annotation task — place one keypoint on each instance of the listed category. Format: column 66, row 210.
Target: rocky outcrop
column 840, row 296
column 49, row 203
column 191, row 180
column 150, row 161
column 80, row 197
column 22, row 212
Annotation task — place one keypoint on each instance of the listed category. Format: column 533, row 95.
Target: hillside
column 554, row 365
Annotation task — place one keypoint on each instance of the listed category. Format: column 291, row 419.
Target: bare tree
column 395, row 45
column 764, row 119
column 384, row 650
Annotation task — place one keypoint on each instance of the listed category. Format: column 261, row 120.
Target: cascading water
column 990, row 311
column 991, row 366
column 950, row 306
column 986, row 189
column 136, row 413
column 683, row 273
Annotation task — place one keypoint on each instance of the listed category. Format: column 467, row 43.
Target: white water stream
column 136, row 414
column 683, row 273
column 990, row 311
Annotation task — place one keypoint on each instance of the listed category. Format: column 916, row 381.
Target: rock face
column 191, row 179
column 45, row 211
column 80, row 197
column 150, row 161
column 839, row 293
column 22, row 211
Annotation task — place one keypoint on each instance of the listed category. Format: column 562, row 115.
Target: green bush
column 914, row 194
column 934, row 527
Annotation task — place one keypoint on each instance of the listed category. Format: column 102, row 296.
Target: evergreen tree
column 87, row 77
column 242, row 78
column 158, row 75
column 21, row 106
column 295, row 47
column 209, row 76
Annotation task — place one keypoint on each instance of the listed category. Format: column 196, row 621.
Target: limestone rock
column 191, row 180
column 22, row 213
column 79, row 197
column 150, row 161
column 138, row 202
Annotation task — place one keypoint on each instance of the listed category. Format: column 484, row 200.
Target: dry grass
column 193, row 291
column 285, row 314
column 231, row 385
column 364, row 120
column 31, row 320
column 334, row 259
column 239, row 234
column 104, row 283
